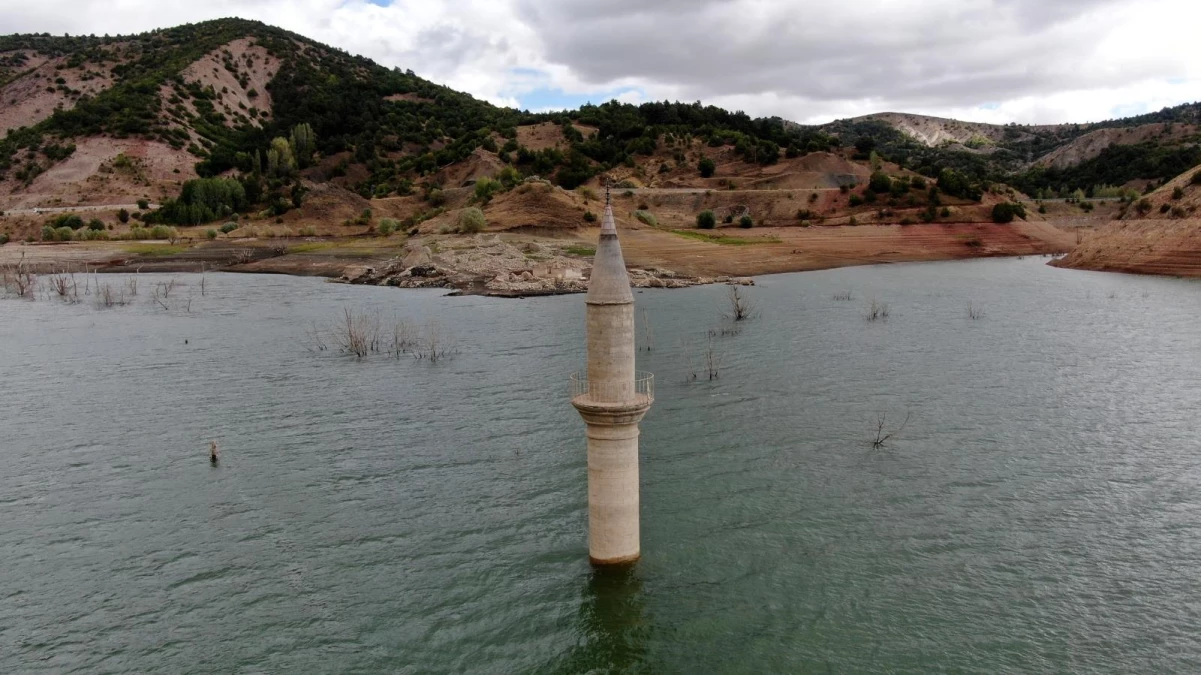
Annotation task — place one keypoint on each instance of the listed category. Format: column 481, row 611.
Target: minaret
column 612, row 398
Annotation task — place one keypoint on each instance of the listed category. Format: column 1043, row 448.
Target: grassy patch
column 580, row 250
column 154, row 250
column 311, row 247
column 726, row 240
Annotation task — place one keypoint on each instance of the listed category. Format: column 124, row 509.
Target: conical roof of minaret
column 609, row 283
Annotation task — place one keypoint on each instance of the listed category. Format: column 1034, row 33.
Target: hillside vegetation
column 232, row 93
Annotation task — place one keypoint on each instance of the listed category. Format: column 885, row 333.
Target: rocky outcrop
column 486, row 265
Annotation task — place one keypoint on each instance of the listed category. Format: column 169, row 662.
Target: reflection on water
column 613, row 628
column 1039, row 512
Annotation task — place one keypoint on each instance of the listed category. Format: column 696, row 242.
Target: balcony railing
column 640, row 390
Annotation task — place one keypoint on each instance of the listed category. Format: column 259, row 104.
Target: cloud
column 988, row 60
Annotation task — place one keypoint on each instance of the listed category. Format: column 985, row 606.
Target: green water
column 1038, row 512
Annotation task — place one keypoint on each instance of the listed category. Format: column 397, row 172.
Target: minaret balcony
column 613, row 397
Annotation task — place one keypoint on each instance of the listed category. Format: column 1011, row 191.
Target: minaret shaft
column 611, row 351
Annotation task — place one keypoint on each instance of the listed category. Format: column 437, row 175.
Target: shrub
column 1164, row 208
column 945, row 212
column 746, row 223
column 1178, row 212
column 856, row 200
column 1178, row 193
column 96, row 225
column 869, row 197
column 387, row 226
column 707, row 167
column 853, row 221
column 1197, row 178
column 485, row 188
column 1006, row 211
column 647, row 217
column 1143, row 206
column 163, row 232
column 879, row 182
column 471, row 220
column 308, row 231
column 844, row 189
column 47, row 233
column 3, row 238
column 229, row 227
column 63, row 234
column 210, row 233
column 123, row 216
column 705, row 220
column 143, row 204
column 918, row 183
column 908, row 220
column 508, row 177
column 589, row 217
column 435, row 197
column 69, row 220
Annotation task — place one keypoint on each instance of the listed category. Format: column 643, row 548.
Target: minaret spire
column 607, row 224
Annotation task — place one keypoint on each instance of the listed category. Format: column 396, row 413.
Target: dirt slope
column 34, row 95
column 1170, row 247
column 94, row 175
column 1164, row 237
column 239, row 73
column 1164, row 203
column 1091, row 144
column 936, row 131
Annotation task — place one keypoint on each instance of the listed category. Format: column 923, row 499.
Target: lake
column 1036, row 509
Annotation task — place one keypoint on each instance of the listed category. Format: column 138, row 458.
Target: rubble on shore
column 485, row 265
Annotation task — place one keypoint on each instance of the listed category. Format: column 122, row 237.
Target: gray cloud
column 996, row 60
column 920, row 53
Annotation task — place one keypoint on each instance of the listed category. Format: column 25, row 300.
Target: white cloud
column 986, row 60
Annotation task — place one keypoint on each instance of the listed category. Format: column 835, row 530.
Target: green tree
column 280, row 160
column 707, row 167
column 879, row 182
column 302, row 143
column 705, row 220
column 1006, row 211
column 123, row 216
column 746, row 222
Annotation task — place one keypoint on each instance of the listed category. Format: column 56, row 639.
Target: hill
column 1043, row 161
column 1158, row 234
column 234, row 130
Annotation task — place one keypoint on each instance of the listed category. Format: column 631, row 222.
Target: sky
column 1025, row 61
